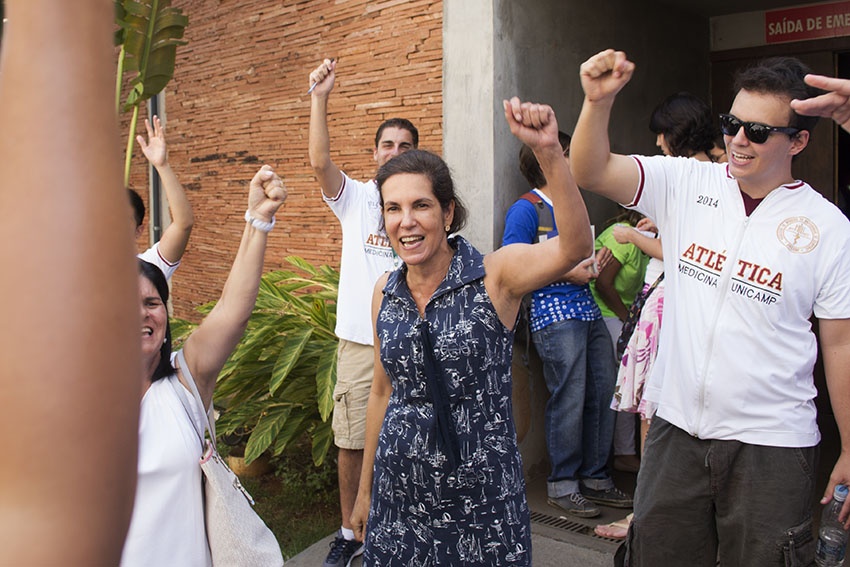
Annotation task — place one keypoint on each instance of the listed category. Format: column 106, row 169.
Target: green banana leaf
column 151, row 30
column 278, row 383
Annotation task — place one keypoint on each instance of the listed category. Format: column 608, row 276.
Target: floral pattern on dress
column 422, row 512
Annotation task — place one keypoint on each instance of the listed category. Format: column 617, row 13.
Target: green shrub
column 278, row 383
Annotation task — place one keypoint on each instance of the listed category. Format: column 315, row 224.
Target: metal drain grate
column 563, row 523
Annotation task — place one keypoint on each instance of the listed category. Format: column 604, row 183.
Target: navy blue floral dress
column 424, row 512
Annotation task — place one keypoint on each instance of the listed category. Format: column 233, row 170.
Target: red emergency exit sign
column 807, row 22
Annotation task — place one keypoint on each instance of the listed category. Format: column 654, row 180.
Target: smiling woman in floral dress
column 442, row 479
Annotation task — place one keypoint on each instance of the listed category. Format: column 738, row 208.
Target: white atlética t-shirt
column 366, row 254
column 737, row 350
column 153, row 256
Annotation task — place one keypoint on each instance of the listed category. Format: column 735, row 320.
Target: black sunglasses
column 754, row 131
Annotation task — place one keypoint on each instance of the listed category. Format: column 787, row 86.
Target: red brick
column 239, row 94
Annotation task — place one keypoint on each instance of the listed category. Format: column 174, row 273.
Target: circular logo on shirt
column 798, row 234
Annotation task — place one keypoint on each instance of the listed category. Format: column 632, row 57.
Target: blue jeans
column 578, row 366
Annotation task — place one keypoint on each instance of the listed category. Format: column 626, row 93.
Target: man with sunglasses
column 751, row 254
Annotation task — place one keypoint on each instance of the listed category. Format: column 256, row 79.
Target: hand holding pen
column 323, row 77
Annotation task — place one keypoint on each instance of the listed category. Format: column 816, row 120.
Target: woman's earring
column 448, row 228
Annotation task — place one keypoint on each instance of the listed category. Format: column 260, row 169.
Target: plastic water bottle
column 832, row 538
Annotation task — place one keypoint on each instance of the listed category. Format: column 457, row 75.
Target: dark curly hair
column 686, row 122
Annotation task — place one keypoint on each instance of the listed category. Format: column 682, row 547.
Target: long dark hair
column 157, row 278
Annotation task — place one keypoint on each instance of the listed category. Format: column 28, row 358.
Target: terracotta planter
column 259, row 467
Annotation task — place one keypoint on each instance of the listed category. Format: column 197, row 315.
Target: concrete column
column 468, row 78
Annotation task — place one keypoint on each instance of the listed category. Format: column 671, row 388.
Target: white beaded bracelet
column 262, row 226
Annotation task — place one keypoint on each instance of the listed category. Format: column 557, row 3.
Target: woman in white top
column 167, row 527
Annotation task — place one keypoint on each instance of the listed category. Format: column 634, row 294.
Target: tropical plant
column 278, row 383
column 149, row 32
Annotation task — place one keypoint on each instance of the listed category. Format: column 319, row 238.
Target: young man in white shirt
column 750, row 253
column 366, row 254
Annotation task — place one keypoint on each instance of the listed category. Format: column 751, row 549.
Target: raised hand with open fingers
column 605, row 74
column 154, row 147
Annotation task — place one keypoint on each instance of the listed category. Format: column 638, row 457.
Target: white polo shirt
column 153, row 256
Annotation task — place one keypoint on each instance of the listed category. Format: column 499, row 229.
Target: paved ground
column 557, row 540
column 547, row 552
column 560, row 541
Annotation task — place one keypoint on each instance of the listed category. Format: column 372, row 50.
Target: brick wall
column 238, row 101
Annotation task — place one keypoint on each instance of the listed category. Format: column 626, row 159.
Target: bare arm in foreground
column 70, row 355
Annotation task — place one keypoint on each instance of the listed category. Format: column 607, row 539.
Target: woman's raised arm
column 545, row 262
column 208, row 348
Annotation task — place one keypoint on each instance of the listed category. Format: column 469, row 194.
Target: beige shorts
column 354, row 369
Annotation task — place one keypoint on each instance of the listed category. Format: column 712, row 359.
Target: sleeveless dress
column 423, row 512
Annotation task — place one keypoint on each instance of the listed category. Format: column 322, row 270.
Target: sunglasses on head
column 754, row 131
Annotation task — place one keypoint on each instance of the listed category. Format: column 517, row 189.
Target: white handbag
column 238, row 537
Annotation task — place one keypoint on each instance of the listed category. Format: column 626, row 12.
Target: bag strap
column 632, row 317
column 637, row 306
column 181, row 395
column 654, row 284
column 545, row 218
column 446, row 434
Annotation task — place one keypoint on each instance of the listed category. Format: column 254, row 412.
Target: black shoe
column 613, row 497
column 575, row 504
column 342, row 551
